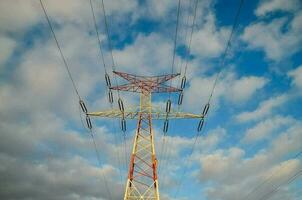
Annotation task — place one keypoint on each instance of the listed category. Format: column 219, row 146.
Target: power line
column 225, row 53
column 100, row 163
column 108, row 35
column 180, row 182
column 290, row 180
column 188, row 52
column 214, row 85
column 60, row 50
column 269, row 178
column 74, row 85
column 90, row 132
column 98, row 36
column 193, row 24
column 172, row 70
column 186, row 42
column 106, row 75
column 175, row 41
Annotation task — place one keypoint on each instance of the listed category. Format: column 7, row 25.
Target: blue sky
column 254, row 125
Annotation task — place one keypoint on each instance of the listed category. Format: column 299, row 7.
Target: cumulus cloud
column 230, row 87
column 264, row 109
column 147, row 54
column 267, row 6
column 55, row 179
column 233, row 175
column 296, row 75
column 278, row 38
column 270, row 37
column 265, row 128
column 46, row 154
column 209, row 40
column 7, row 47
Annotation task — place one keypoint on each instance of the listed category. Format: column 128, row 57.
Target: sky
column 252, row 137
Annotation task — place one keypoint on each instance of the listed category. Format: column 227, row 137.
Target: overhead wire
column 175, row 42
column 168, row 105
column 91, row 133
column 269, row 178
column 185, row 170
column 100, row 162
column 290, row 180
column 113, row 66
column 234, row 26
column 182, row 81
column 164, row 139
column 74, row 87
column 225, row 53
column 98, row 36
column 106, row 75
column 186, row 42
column 60, row 50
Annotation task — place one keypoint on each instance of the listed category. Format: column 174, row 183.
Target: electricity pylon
column 142, row 183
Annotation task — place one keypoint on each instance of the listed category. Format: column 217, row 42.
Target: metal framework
column 142, row 183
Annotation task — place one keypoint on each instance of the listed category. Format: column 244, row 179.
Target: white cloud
column 231, row 87
column 6, row 49
column 209, row 40
column 18, row 14
column 232, row 174
column 244, row 88
column 147, row 55
column 265, row 128
column 69, row 179
column 268, row 6
column 272, row 39
column 296, row 75
column 265, row 108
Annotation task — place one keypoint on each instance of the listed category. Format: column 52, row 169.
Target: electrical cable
column 269, row 178
column 225, row 53
column 175, row 42
column 100, row 163
column 73, row 83
column 98, row 36
column 172, row 70
column 60, row 50
column 113, row 66
column 105, row 71
column 290, row 180
column 180, row 181
column 217, row 77
column 185, row 41
column 190, row 40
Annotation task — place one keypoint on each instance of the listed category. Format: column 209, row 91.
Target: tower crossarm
column 145, row 84
column 134, row 114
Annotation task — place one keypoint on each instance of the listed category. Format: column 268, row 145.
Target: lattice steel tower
column 142, row 183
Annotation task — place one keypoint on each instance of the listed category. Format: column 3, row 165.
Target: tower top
column 146, row 84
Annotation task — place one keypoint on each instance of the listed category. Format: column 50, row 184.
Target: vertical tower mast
column 142, row 182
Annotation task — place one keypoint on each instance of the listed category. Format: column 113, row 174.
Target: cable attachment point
column 205, row 109
column 166, row 126
column 200, row 125
column 83, row 106
column 180, row 97
column 88, row 122
column 183, row 82
column 108, row 82
column 110, row 96
column 168, row 106
column 123, row 125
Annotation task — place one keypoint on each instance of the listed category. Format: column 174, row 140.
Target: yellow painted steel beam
column 133, row 114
